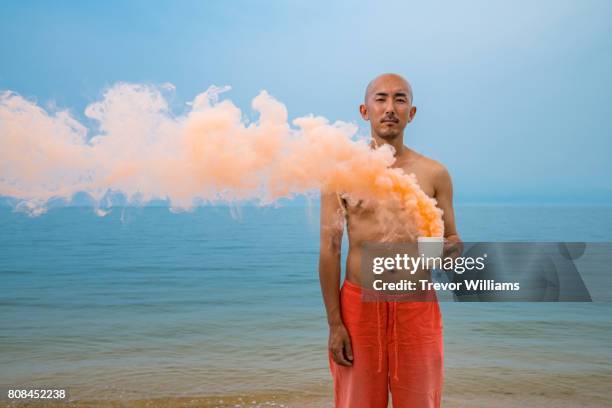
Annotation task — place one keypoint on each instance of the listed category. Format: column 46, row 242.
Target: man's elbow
column 331, row 244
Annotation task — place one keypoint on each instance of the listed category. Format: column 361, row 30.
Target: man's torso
column 364, row 223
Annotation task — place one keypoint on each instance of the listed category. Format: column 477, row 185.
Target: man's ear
column 364, row 112
column 412, row 113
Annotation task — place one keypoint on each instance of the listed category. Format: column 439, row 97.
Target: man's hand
column 453, row 247
column 340, row 345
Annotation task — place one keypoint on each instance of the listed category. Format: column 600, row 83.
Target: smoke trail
column 209, row 154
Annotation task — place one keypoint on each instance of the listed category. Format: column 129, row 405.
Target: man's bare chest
column 364, row 210
column 424, row 178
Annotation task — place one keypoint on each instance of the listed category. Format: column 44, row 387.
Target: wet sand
column 254, row 401
column 497, row 401
column 464, row 388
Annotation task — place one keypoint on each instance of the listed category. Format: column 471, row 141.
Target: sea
column 225, row 303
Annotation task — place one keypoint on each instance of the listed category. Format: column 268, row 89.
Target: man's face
column 388, row 106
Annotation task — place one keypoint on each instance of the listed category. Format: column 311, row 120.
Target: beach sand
column 263, row 401
column 252, row 401
column 464, row 388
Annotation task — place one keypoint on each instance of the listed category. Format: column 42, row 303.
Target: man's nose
column 389, row 107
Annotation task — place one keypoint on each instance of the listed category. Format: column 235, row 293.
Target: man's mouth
column 389, row 121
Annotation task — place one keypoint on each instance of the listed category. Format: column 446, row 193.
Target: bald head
column 388, row 107
column 386, row 80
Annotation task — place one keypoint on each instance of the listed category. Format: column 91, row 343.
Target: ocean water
column 144, row 302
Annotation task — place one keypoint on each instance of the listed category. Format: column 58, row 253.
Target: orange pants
column 397, row 347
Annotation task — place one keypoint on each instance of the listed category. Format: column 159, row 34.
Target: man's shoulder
column 432, row 166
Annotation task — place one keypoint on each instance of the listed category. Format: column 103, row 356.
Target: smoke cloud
column 209, row 154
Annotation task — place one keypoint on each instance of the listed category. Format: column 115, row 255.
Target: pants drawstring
column 380, row 352
column 396, row 377
column 395, row 337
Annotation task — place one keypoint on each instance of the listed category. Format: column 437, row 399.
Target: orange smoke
column 209, row 154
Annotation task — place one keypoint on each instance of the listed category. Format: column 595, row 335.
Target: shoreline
column 301, row 401
column 278, row 400
column 463, row 388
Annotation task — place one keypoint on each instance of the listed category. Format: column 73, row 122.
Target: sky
column 514, row 98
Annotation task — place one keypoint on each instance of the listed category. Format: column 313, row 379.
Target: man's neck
column 397, row 143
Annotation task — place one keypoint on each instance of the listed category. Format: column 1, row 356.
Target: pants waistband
column 375, row 295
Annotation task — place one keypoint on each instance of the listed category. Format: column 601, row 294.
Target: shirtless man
column 396, row 346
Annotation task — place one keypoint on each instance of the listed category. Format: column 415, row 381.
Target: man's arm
column 332, row 226
column 444, row 195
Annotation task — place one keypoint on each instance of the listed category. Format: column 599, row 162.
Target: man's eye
column 401, row 100
column 380, row 100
